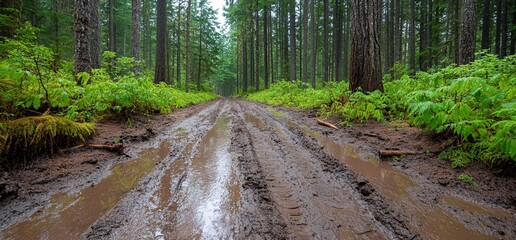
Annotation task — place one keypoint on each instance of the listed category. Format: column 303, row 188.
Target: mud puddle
column 69, row 215
column 429, row 221
column 207, row 202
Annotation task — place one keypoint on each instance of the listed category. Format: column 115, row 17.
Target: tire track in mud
column 140, row 213
column 186, row 197
column 390, row 202
column 313, row 203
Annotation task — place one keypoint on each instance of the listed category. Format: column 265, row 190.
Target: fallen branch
column 393, row 153
column 327, row 124
column 111, row 148
column 374, row 135
column 364, row 232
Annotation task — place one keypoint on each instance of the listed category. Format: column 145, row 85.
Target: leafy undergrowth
column 32, row 82
column 476, row 103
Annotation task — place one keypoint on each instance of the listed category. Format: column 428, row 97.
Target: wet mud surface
column 233, row 169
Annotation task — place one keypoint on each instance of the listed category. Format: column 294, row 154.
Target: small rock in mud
column 42, row 180
column 443, row 182
column 90, row 161
column 8, row 188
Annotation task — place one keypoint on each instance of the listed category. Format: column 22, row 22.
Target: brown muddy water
column 236, row 170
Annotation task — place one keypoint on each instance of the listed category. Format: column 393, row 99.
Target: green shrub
column 474, row 102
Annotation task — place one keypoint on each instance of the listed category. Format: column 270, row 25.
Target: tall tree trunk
column 399, row 32
column 55, row 26
column 498, row 32
column 178, row 46
column 504, row 30
column 467, row 32
column 265, row 46
column 513, row 33
column 346, row 30
column 146, row 34
column 257, row 38
column 160, row 74
column 366, row 72
column 423, row 36
column 244, row 74
column 187, row 44
column 111, row 26
column 135, row 34
column 312, row 42
column 305, row 41
column 392, row 34
column 412, row 39
column 326, row 51
column 429, row 39
column 199, row 56
column 292, row 30
column 95, row 34
column 456, row 30
column 82, row 38
column 284, row 10
column 486, row 23
column 337, row 49
column 251, row 60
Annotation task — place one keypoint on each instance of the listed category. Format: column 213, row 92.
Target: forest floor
column 236, row 169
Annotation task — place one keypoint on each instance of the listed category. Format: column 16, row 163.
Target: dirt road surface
column 233, row 169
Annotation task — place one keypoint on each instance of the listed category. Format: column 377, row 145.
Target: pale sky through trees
column 218, row 5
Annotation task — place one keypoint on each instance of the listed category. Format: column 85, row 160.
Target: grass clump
column 27, row 137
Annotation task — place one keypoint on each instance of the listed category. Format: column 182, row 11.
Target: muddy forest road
column 241, row 170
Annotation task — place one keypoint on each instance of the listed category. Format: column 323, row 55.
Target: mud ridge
column 260, row 217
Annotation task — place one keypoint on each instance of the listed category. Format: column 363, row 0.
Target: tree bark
column 200, row 51
column 399, row 41
column 292, row 31
column 498, row 32
column 467, row 32
column 305, row 41
column 412, row 40
column 266, row 46
column 160, row 74
column 312, row 42
column 513, row 33
column 187, row 44
column 326, row 51
column 111, row 26
column 82, row 38
column 423, row 36
column 55, row 26
column 392, row 34
column 146, row 34
column 365, row 71
column 504, row 30
column 456, row 30
column 429, row 39
column 257, row 38
column 486, row 23
column 244, row 60
column 337, row 49
column 95, row 34
column 135, row 34
column 178, row 46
